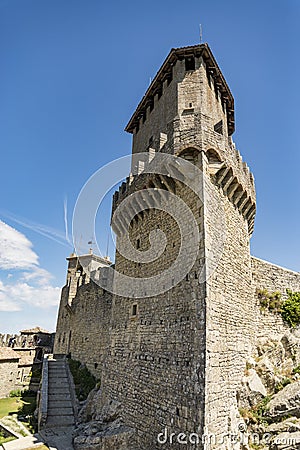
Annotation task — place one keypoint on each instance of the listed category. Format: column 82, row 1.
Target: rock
column 285, row 402
column 266, row 371
column 113, row 436
column 286, row 441
column 111, row 411
column 291, row 425
column 254, row 383
column 291, row 344
column 252, row 390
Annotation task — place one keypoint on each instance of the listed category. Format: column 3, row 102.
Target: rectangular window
column 189, row 63
column 218, row 128
column 134, row 310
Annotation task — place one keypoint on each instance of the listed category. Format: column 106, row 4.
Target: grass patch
column 257, row 414
column 23, row 407
column 279, row 386
column 296, row 370
column 9, row 406
column 83, row 379
column 26, row 413
column 4, row 439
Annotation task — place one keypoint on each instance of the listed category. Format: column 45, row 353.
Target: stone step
column 60, row 421
column 56, row 365
column 61, row 377
column 62, row 368
column 61, row 391
column 58, row 412
column 59, row 397
column 61, row 381
column 57, row 403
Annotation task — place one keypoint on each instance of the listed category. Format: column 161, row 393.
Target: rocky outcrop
column 286, row 402
column 109, row 436
column 286, row 441
column 269, row 397
column 101, row 426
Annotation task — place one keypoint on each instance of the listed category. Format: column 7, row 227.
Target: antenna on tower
column 200, row 26
column 107, row 244
column 90, row 243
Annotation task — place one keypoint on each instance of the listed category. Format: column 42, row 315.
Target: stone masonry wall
column 272, row 278
column 90, row 326
column 156, row 367
column 8, row 376
column 230, row 315
column 83, row 328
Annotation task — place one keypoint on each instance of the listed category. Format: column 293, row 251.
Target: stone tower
column 79, row 333
column 176, row 359
column 173, row 362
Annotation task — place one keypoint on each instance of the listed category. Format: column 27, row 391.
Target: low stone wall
column 272, row 278
column 43, row 395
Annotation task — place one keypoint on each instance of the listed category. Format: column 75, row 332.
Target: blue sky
column 72, row 73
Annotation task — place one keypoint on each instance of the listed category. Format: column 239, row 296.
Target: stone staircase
column 57, row 428
column 60, row 410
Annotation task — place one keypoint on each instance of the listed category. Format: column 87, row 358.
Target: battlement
column 231, row 173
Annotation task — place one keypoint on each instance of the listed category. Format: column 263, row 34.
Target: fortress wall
column 272, row 278
column 230, row 313
column 83, row 329
column 8, row 375
column 90, row 327
column 156, row 365
column 63, row 324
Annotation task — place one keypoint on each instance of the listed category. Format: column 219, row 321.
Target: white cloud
column 38, row 275
column 6, row 303
column 21, row 295
column 30, row 285
column 15, row 249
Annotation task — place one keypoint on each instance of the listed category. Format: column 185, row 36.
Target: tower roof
column 165, row 72
column 35, row 330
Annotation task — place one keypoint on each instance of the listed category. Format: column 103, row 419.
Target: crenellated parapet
column 227, row 170
column 233, row 175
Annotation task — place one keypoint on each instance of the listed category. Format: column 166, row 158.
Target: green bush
column 291, row 309
column 271, row 301
column 296, row 370
column 282, row 384
column 83, row 379
column 15, row 393
column 257, row 414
